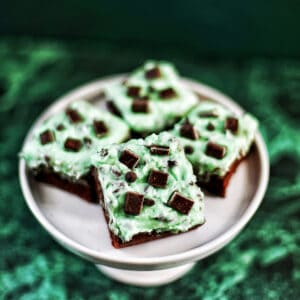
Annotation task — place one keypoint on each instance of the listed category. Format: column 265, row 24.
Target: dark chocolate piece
column 60, row 127
column 116, row 172
column 187, row 130
column 188, row 149
column 180, row 203
column 47, row 137
column 103, row 152
column 140, row 106
column 149, row 202
column 208, row 114
column 73, row 144
column 172, row 163
column 232, row 124
column 73, row 115
column 215, row 150
column 129, row 158
column 100, row 127
column 130, row 176
column 158, row 178
column 159, row 150
column 153, row 73
column 112, row 108
column 133, row 91
column 210, row 127
column 167, row 93
column 133, row 203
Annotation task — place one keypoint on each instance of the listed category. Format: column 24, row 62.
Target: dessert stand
column 81, row 228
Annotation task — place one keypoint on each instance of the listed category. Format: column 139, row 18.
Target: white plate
column 80, row 226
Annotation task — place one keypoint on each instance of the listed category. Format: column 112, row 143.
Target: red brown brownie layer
column 218, row 185
column 83, row 187
column 137, row 239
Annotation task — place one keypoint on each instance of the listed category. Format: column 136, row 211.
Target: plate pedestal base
column 146, row 278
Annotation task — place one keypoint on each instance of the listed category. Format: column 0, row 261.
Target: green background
column 43, row 57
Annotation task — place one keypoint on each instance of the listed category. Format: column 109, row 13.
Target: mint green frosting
column 237, row 145
column 159, row 217
column 163, row 112
column 73, row 164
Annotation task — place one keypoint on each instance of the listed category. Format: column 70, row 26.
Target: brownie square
column 59, row 152
column 153, row 198
column 215, row 141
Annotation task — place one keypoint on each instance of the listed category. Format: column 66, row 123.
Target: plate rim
column 147, row 263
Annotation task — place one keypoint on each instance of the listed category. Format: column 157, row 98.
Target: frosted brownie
column 215, row 141
column 151, row 98
column 60, row 150
column 147, row 189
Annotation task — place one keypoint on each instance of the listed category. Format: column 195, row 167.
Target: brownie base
column 83, row 188
column 217, row 185
column 139, row 238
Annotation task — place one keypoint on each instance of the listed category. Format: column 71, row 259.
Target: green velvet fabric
column 263, row 262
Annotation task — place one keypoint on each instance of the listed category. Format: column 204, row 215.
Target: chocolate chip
column 112, row 108
column 149, row 202
column 140, row 106
column 159, row 150
column 73, row 144
column 187, row 130
column 60, row 127
column 232, row 124
column 158, row 178
column 181, row 203
column 153, row 73
column 172, row 163
column 87, row 141
column 208, row 114
column 100, row 127
column 47, row 137
column 133, row 203
column 133, row 91
column 130, row 176
column 47, row 159
column 129, row 158
column 210, row 127
column 73, row 115
column 215, row 150
column 116, row 172
column 188, row 149
column 103, row 152
column 167, row 93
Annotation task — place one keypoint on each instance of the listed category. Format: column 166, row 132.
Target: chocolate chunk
column 133, row 91
column 100, row 127
column 159, row 150
column 180, row 203
column 149, row 202
column 167, row 93
column 60, row 127
column 215, row 150
column 130, row 176
column 47, row 159
column 133, row 203
column 153, row 73
column 158, row 178
column 116, row 172
column 73, row 144
column 47, row 137
column 87, row 141
column 232, row 124
column 112, row 108
column 140, row 106
column 210, row 127
column 129, row 158
column 188, row 149
column 103, row 152
column 73, row 115
column 208, row 114
column 172, row 163
column 187, row 130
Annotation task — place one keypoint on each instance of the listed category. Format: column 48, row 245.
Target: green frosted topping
column 158, row 217
column 208, row 119
column 71, row 158
column 167, row 96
